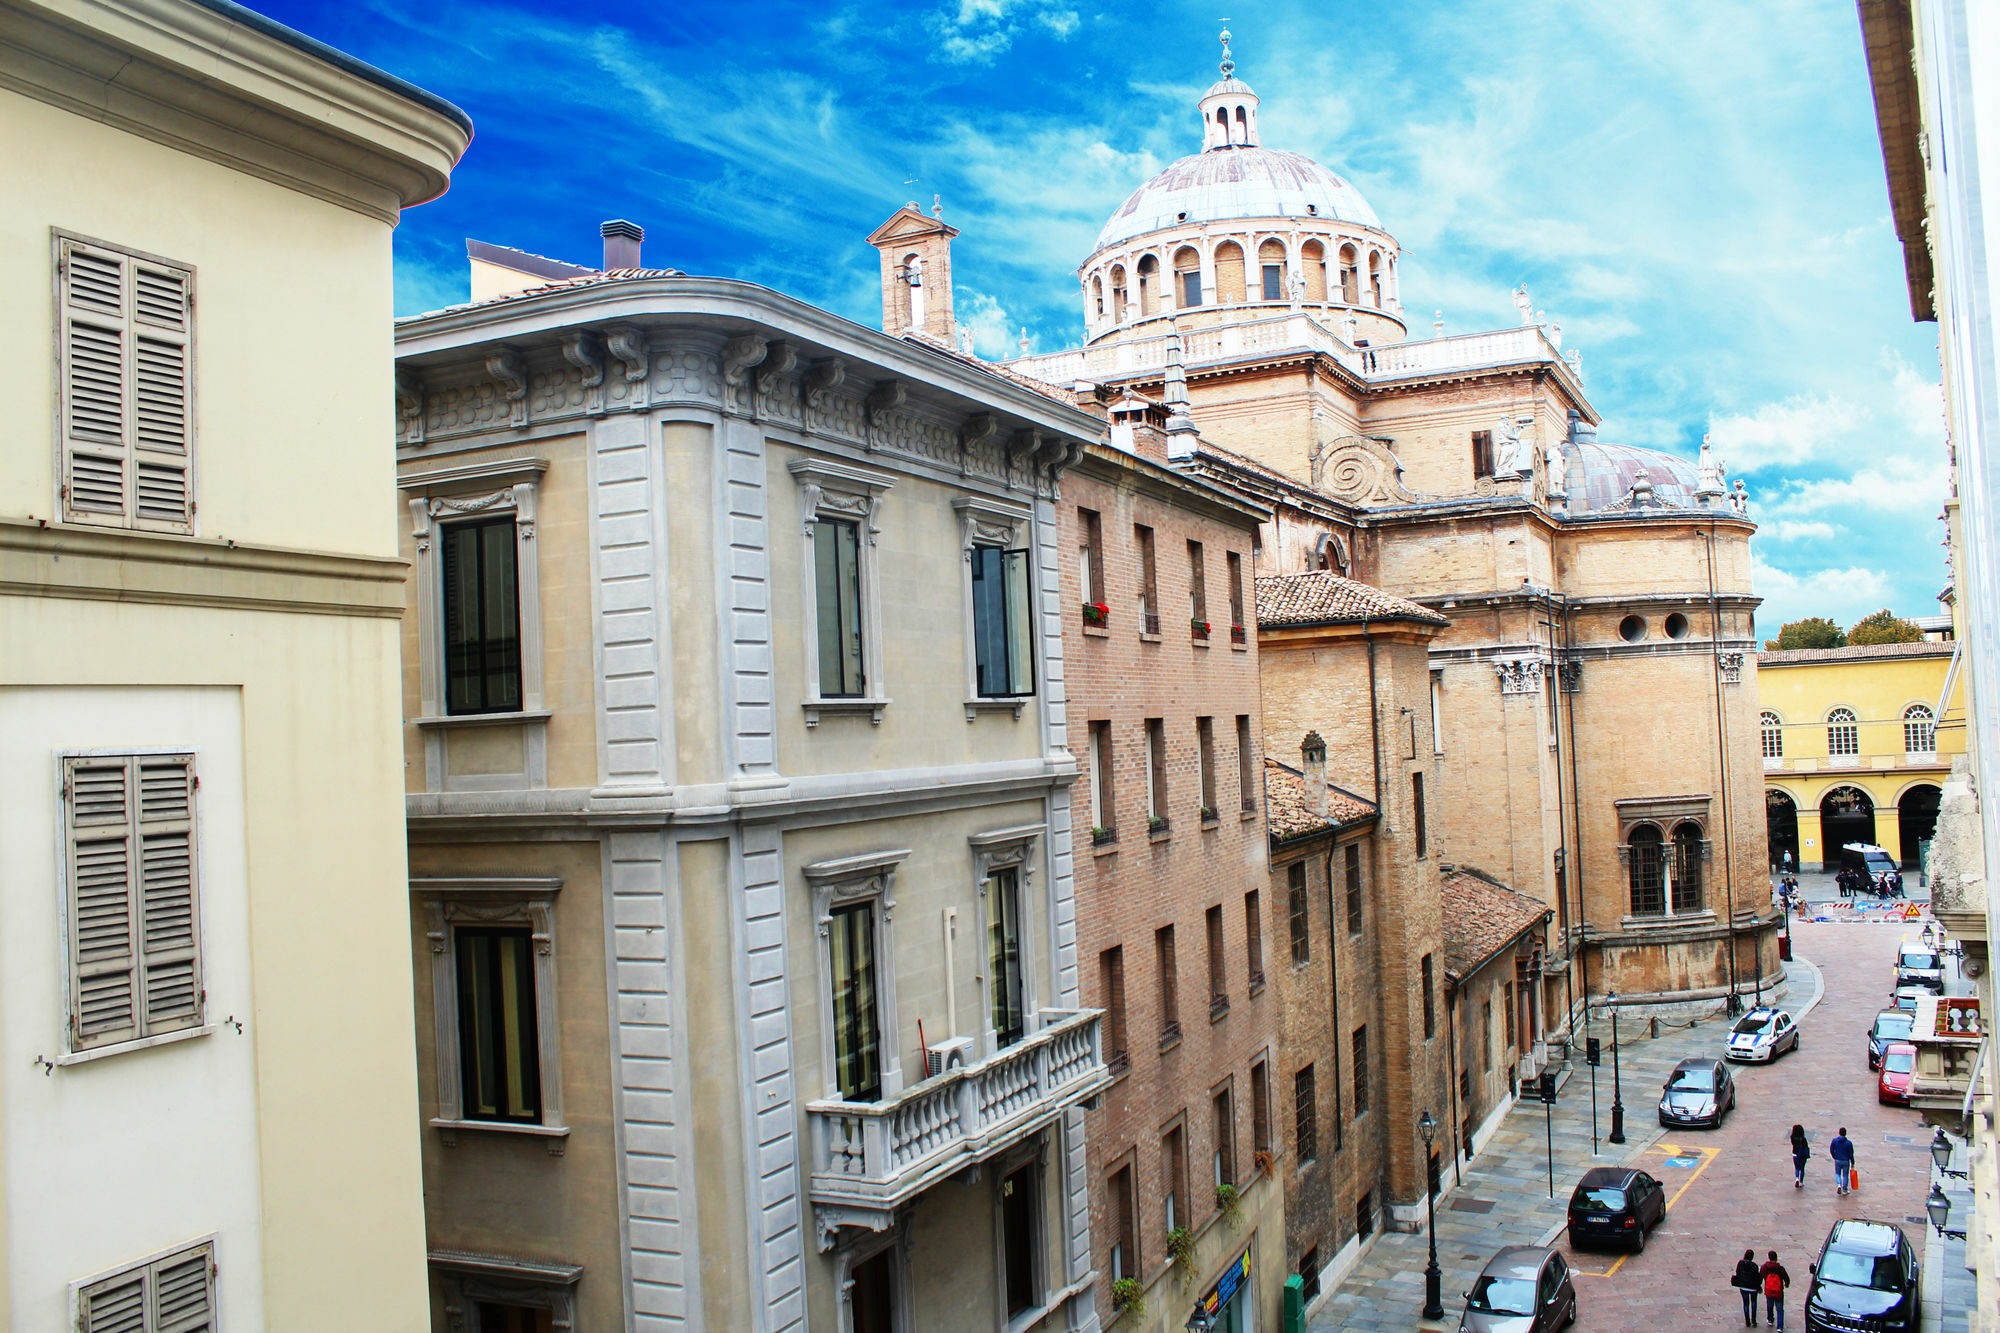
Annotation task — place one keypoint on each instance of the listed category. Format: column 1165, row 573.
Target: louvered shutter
column 103, row 926
column 162, row 427
column 169, row 926
column 184, row 1293
column 116, row 1305
column 96, row 299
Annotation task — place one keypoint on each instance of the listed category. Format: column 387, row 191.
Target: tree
column 1812, row 632
column 1884, row 627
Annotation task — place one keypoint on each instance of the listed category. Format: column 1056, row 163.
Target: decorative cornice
column 496, row 472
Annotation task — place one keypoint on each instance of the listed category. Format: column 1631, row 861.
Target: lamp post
column 1941, row 1150
column 1433, row 1275
column 1939, row 1208
column 1617, row 1134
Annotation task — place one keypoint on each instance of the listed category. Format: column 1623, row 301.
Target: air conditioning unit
column 943, row 1055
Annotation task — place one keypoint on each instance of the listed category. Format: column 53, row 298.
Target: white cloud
column 977, row 32
column 1786, row 434
column 1841, row 595
column 995, row 334
column 1795, row 530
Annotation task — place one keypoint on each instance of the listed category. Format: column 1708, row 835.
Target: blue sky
column 1695, row 192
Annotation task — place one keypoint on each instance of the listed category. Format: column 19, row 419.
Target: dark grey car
column 1522, row 1289
column 1698, row 1092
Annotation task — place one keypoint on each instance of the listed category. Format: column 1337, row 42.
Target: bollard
column 1655, row 1024
column 1295, row 1304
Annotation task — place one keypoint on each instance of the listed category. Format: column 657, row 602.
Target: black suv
column 1615, row 1204
column 1891, row 1026
column 1866, row 1277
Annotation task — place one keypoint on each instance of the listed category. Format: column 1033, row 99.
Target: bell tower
column 916, row 274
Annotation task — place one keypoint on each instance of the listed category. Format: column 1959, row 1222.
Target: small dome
column 1224, row 184
column 1609, row 470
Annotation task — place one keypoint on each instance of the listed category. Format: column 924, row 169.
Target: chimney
column 1313, row 751
column 621, row 243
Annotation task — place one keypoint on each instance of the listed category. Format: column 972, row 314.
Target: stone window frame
column 468, row 1279
column 485, row 490
column 1014, row 848
column 1665, row 814
column 1843, row 728
column 828, row 489
column 856, row 1247
column 841, row 882
column 984, row 522
column 1923, row 722
column 1032, row 1154
column 453, row 901
column 1771, row 733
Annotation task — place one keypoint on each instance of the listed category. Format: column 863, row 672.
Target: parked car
column 1906, row 997
column 1866, row 859
column 1698, row 1092
column 1616, row 1204
column 1917, row 964
column 1762, row 1034
column 1891, row 1026
column 1893, row 1083
column 1522, row 1289
column 1866, row 1277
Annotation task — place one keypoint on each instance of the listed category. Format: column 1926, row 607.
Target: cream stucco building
column 205, row 994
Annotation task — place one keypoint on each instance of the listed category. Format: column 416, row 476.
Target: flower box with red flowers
column 1200, row 628
column 1095, row 613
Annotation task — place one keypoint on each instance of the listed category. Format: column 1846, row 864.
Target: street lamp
column 1617, row 1134
column 1941, row 1151
column 1433, row 1275
column 1939, row 1208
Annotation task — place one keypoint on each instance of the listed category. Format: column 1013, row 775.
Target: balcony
column 869, row 1158
column 1948, row 1034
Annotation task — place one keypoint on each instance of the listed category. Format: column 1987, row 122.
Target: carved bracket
column 1519, row 675
column 1570, row 674
column 510, row 372
column 884, row 398
column 820, row 380
column 585, row 350
column 410, row 403
column 627, row 343
column 1363, row 470
column 977, row 432
column 1732, row 667
column 739, row 356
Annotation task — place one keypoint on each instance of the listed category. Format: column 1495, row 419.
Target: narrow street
column 1728, row 1190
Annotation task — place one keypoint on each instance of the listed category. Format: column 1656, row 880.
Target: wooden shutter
column 103, row 947
column 170, row 954
column 171, row 1295
column 116, row 1305
column 161, row 395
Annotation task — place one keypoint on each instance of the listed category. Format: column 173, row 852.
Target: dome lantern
column 1228, row 108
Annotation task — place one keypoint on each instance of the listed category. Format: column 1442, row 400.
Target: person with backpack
column 1842, row 1152
column 1801, row 1150
column 1776, row 1279
column 1748, row 1280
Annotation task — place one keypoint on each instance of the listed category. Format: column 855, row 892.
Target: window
column 493, row 987
column 1090, row 555
column 1229, row 273
column 482, row 617
column 1364, row 1215
column 1350, row 276
column 1919, row 730
column 1149, row 590
column 1417, row 812
column 1170, row 984
column 1111, row 984
column 1773, row 732
column 1003, row 650
column 1253, row 934
column 1019, row 1225
column 837, row 602
column 1125, row 1260
column 1187, row 270
column 1197, row 590
column 170, row 1294
column 1173, row 1175
column 1513, row 1032
column 1305, row 1115
column 1361, row 1070
column 1260, row 1107
column 1482, row 454
column 1298, row 908
column 1687, row 867
column 1437, row 712
column 1218, row 979
column 842, row 609
column 1204, row 744
column 1118, row 293
column 1238, row 627
column 1646, row 867
column 1101, row 791
column 1156, row 772
column 1149, row 284
column 857, row 1061
column 1003, row 954
column 1225, row 1138
column 1485, row 1035
column 1245, row 757
column 1309, row 1272
column 1430, row 998
column 134, row 897
column 1843, row 734
column 1353, row 889
column 126, row 348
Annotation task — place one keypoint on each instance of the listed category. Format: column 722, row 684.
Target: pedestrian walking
column 1800, row 1151
column 1776, row 1279
column 1842, row 1152
column 1749, row 1280
column 1788, row 860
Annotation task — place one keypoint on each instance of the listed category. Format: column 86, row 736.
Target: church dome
column 1610, row 470
column 1239, row 181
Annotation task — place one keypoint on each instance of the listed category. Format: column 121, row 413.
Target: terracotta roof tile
column 1481, row 917
column 1321, row 598
column 1289, row 813
column 1852, row 653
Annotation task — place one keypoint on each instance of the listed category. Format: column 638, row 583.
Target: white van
column 1918, row 964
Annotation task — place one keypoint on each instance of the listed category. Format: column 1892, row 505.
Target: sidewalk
column 1503, row 1197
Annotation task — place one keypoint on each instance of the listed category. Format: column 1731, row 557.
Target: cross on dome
column 1228, row 61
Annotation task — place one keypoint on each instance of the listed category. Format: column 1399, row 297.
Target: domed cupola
column 1229, row 108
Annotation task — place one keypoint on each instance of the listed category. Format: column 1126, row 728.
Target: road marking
column 1707, row 1155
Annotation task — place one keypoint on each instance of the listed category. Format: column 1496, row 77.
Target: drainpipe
column 1722, row 768
column 1576, row 823
column 1374, row 716
column 1451, row 1036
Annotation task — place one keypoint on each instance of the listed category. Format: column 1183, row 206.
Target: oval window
column 1632, row 628
column 1677, row 626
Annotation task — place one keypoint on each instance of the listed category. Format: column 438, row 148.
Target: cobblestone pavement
column 1728, row 1190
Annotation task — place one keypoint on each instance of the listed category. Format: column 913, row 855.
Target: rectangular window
column 1430, row 998
column 1111, row 981
column 1300, row 909
column 1125, row 1261
column 134, row 906
column 1260, row 1107
column 837, row 597
column 1234, row 560
column 1245, row 757
column 1309, row 1273
column 1149, row 589
column 482, row 617
column 1090, row 555
column 857, row 1064
column 1274, row 282
column 1003, row 641
column 1018, row 1206
column 126, row 349
column 1253, row 933
column 1225, row 1138
column 1353, row 889
column 168, row 1295
column 1417, row 812
column 1204, row 744
column 1218, row 979
column 499, row 1054
column 1364, row 1215
column 1482, row 454
column 1437, row 713
column 1361, row 1071
column 1485, row 1035
column 1305, row 1115
column 1173, row 1174
column 1191, row 287
column 1156, row 772
column 1102, row 808
column 1512, row 1030
column 1197, row 590
column 1170, row 982
column 1003, row 954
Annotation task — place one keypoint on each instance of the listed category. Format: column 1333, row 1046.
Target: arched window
column 913, row 278
column 1919, row 730
column 1271, row 268
column 1118, row 293
column 1350, row 275
column 1312, row 263
column 1646, row 863
column 1149, row 285
column 1375, row 278
column 1774, row 734
column 1229, row 273
column 1187, row 276
column 1097, row 293
column 1687, row 867
column 1843, row 733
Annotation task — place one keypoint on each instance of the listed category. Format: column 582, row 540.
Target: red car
column 1894, row 1083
